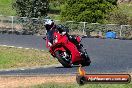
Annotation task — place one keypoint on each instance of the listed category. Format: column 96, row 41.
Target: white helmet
column 48, row 21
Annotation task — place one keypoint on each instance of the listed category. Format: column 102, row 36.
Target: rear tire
column 63, row 61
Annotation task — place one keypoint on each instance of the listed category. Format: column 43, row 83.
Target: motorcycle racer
column 66, row 48
column 51, row 27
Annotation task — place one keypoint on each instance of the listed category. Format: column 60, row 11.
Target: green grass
column 53, row 85
column 55, row 17
column 15, row 58
column 6, row 8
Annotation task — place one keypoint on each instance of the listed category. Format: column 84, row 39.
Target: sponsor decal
column 83, row 78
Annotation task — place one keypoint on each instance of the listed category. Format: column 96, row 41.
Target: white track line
column 31, row 68
column 20, row 47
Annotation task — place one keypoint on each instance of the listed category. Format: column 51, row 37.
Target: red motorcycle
column 67, row 52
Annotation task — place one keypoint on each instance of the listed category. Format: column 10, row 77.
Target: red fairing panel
column 78, row 39
column 74, row 52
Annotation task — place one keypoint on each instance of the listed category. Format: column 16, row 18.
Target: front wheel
column 86, row 60
column 63, row 58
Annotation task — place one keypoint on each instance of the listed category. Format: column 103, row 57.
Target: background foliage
column 120, row 15
column 117, row 17
column 31, row 8
column 91, row 11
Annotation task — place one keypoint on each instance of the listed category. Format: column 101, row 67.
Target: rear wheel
column 64, row 58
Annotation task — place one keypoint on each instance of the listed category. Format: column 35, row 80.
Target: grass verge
column 51, row 81
column 6, row 8
column 15, row 58
column 55, row 85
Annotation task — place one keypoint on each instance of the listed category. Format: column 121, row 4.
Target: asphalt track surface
column 107, row 55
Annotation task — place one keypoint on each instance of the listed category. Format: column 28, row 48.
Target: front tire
column 86, row 60
column 62, row 60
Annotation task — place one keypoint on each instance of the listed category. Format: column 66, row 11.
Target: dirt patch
column 25, row 81
column 14, row 82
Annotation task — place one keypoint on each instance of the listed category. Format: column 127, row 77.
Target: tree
column 118, row 17
column 31, row 8
column 87, row 10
